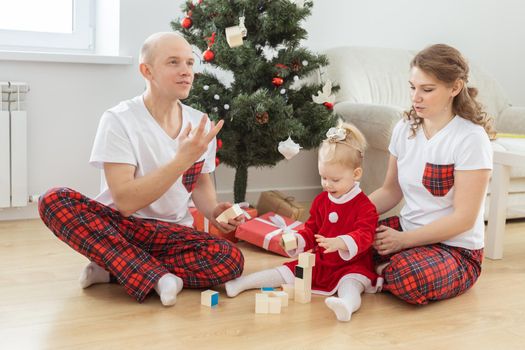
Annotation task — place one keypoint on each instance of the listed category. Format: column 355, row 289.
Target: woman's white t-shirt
column 127, row 133
column 426, row 173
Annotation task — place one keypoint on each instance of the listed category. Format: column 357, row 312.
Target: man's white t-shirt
column 460, row 145
column 128, row 133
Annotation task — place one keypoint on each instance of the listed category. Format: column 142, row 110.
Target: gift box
column 279, row 203
column 201, row 223
column 265, row 231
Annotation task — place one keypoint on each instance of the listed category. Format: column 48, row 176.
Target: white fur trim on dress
column 351, row 247
column 348, row 196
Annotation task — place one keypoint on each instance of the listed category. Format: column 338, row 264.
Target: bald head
column 149, row 49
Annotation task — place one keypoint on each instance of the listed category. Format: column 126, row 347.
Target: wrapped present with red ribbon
column 201, row 223
column 266, row 231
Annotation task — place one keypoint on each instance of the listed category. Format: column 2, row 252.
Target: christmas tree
column 258, row 42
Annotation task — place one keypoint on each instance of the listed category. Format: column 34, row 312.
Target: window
column 50, row 25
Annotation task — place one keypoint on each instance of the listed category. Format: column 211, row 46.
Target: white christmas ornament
column 226, row 106
column 295, row 78
column 217, row 97
column 305, row 63
column 333, row 217
column 244, row 31
column 283, row 91
column 206, row 87
column 325, row 95
column 289, row 148
column 234, row 36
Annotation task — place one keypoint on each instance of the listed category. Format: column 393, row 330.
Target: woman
column 440, row 163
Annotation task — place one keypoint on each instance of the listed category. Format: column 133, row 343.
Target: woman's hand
column 388, row 241
column 330, row 244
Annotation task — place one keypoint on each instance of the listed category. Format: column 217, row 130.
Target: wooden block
column 230, row 213
column 290, row 241
column 274, row 305
column 234, row 36
column 303, row 298
column 301, row 286
column 209, row 298
column 281, row 295
column 289, row 289
column 307, row 276
column 261, row 303
column 306, row 260
column 299, row 271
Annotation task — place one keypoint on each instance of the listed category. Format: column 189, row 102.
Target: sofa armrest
column 376, row 122
column 511, row 120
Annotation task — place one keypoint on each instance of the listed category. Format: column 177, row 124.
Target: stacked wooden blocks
column 266, row 304
column 270, row 301
column 303, row 278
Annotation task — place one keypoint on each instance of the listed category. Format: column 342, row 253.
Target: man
column 155, row 154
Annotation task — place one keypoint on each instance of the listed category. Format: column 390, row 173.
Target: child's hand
column 330, row 244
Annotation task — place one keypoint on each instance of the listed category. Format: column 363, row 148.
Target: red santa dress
column 351, row 217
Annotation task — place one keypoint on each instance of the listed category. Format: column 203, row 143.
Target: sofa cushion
column 511, row 145
column 374, row 121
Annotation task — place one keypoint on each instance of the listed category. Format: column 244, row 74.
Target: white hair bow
column 336, row 134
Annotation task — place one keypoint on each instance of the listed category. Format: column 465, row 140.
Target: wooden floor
column 43, row 307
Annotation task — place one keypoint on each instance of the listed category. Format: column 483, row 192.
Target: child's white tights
column 348, row 299
column 265, row 278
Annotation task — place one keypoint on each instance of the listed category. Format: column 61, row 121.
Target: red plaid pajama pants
column 431, row 272
column 137, row 252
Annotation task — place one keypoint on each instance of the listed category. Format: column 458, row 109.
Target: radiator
column 13, row 145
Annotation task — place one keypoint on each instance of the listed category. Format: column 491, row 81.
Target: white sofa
column 374, row 93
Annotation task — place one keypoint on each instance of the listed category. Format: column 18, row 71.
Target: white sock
column 93, row 274
column 348, row 300
column 265, row 278
column 168, row 286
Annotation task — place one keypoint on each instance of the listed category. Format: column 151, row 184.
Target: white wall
column 489, row 33
column 66, row 100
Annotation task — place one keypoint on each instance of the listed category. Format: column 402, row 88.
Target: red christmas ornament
column 219, row 143
column 277, row 81
column 208, row 55
column 217, row 161
column 328, row 105
column 186, row 23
